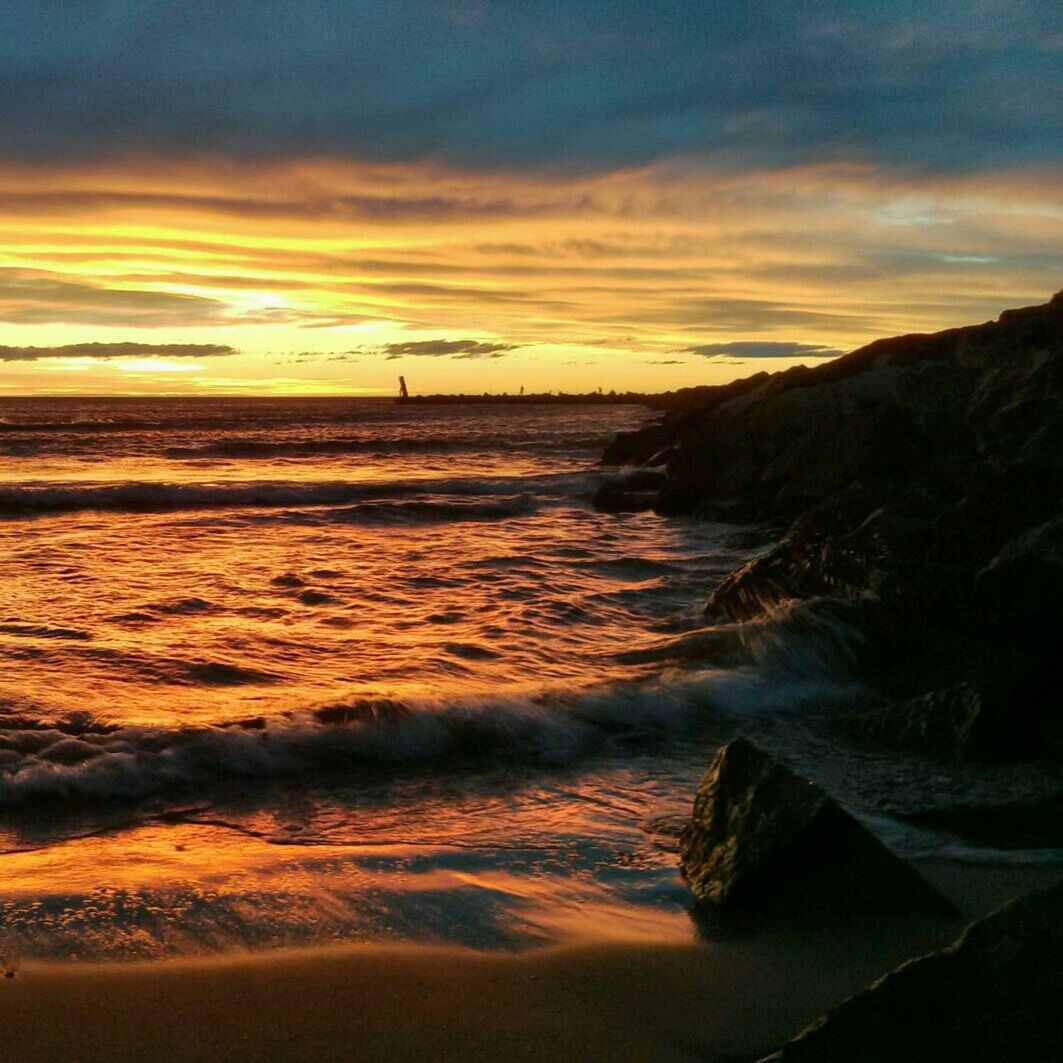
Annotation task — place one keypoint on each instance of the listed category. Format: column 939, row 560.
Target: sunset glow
column 325, row 276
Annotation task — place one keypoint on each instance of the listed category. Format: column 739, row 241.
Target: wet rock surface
column 991, row 997
column 765, row 840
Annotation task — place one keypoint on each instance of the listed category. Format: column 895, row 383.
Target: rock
column 993, row 996
column 966, row 722
column 985, row 393
column 1022, row 587
column 633, row 493
column 762, row 838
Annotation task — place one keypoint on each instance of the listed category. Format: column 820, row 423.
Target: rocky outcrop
column 992, row 997
column 923, row 481
column 764, row 839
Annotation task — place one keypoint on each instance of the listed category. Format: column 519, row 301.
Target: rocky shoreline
column 919, row 481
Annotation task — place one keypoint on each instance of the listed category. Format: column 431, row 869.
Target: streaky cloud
column 447, row 349
column 762, row 349
column 108, row 351
column 37, row 297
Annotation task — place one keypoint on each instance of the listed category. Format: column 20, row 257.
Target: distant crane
column 403, row 393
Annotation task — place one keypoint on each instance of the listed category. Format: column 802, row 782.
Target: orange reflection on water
column 282, row 672
column 276, row 584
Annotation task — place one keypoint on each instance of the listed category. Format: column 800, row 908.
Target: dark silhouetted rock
column 994, row 996
column 762, row 838
column 1022, row 587
column 964, row 722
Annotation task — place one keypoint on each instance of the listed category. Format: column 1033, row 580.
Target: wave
column 146, row 497
column 376, row 447
column 80, row 758
column 428, row 512
column 252, row 450
column 162, row 497
column 116, row 424
column 223, row 419
column 43, row 631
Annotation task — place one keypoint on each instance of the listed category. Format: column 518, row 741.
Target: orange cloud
column 647, row 260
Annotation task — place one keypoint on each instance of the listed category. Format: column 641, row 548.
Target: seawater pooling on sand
column 281, row 672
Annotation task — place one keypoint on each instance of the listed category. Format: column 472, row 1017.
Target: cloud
column 46, row 297
column 762, row 349
column 771, row 256
column 697, row 313
column 447, row 348
column 668, row 361
column 333, row 208
column 43, row 298
column 107, row 351
column 556, row 83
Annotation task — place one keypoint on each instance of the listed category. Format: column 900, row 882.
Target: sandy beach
column 735, row 999
column 611, row 1001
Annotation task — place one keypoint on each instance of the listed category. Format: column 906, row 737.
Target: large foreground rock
column 762, row 838
column 994, row 996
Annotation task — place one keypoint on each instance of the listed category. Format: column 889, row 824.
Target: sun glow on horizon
column 328, row 276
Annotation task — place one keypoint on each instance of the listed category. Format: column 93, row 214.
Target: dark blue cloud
column 553, row 83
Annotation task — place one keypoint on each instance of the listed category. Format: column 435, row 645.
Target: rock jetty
column 919, row 481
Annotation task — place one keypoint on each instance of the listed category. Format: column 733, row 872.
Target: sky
column 279, row 198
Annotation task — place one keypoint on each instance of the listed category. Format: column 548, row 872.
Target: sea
column 282, row 672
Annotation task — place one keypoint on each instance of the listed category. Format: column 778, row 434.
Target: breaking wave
column 147, row 497
column 83, row 758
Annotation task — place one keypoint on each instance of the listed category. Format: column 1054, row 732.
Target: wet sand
column 605, row 1001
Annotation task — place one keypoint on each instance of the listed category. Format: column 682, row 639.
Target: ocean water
column 286, row 672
